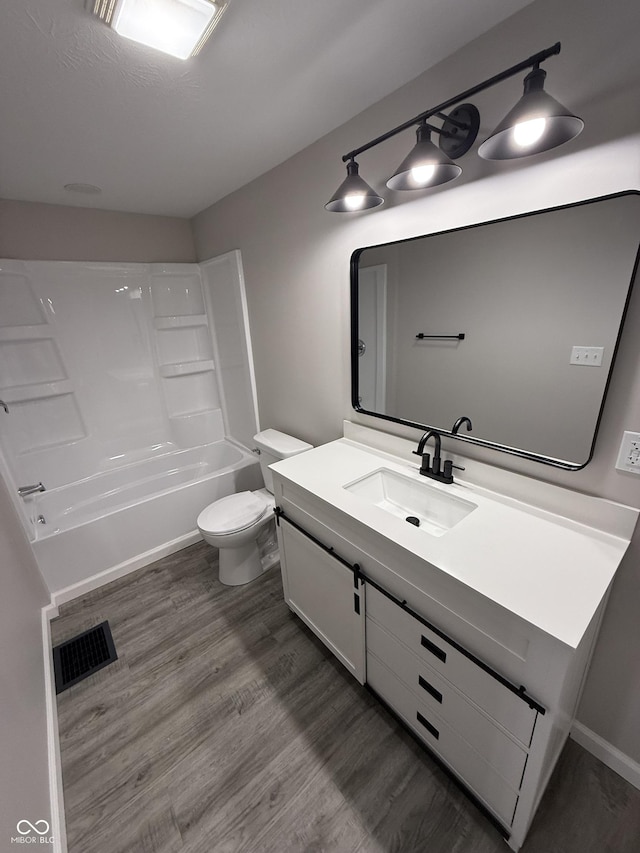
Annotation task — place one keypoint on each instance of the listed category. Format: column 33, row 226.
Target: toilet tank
column 274, row 446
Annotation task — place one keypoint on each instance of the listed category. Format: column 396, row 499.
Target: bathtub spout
column 25, row 491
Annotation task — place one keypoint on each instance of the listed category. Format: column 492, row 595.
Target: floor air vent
column 83, row 655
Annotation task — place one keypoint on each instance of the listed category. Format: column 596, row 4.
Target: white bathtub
column 124, row 518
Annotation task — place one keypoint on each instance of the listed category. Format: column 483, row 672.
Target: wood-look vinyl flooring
column 226, row 726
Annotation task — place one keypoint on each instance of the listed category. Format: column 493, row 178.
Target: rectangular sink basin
column 404, row 497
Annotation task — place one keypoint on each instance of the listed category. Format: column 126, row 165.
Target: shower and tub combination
column 128, row 405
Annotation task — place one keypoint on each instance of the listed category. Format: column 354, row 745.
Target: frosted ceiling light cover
column 176, row 27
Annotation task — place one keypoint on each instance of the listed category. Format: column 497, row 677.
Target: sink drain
column 413, row 520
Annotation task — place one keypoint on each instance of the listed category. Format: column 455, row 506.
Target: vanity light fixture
column 426, row 165
column 537, row 123
column 353, row 193
column 177, row 27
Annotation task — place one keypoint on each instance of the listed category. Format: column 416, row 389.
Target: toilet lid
column 235, row 512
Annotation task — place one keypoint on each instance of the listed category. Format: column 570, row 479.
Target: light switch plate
column 587, row 356
column 629, row 455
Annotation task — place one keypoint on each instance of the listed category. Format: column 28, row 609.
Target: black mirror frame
column 502, row 448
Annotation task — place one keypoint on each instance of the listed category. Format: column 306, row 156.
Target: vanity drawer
column 440, row 697
column 467, row 764
column 500, row 703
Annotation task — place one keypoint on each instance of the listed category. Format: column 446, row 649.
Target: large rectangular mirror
column 512, row 323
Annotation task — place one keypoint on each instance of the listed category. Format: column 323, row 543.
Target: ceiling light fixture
column 177, row 27
column 537, row 123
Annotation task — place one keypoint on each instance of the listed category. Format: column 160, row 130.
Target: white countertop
column 552, row 571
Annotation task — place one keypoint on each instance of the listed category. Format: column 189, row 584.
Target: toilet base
column 239, row 565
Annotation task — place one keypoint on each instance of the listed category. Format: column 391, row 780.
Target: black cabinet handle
column 431, row 647
column 430, row 689
column 431, row 729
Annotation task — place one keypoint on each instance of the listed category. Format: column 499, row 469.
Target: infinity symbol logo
column 32, row 827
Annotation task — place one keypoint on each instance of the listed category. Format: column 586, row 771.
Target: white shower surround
column 114, row 378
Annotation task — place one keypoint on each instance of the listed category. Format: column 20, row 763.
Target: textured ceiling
column 79, row 104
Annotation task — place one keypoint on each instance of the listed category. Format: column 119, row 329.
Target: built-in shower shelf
column 186, row 368
column 25, row 333
column 37, row 391
column 193, row 414
column 181, row 321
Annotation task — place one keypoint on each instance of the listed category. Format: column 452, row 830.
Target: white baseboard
column 607, row 753
column 122, row 569
column 58, row 826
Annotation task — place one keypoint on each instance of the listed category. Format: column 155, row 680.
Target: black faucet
column 433, row 470
column 458, row 424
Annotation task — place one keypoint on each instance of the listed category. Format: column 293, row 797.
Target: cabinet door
column 321, row 591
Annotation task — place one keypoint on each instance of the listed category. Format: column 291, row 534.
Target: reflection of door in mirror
column 372, row 318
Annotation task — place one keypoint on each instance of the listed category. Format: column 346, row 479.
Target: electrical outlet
column 629, row 455
column 588, row 356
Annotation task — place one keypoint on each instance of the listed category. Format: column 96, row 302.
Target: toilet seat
column 232, row 513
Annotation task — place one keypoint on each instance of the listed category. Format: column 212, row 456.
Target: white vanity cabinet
column 484, row 668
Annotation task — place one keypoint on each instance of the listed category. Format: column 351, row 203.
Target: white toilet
column 232, row 524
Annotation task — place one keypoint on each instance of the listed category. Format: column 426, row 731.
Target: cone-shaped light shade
column 353, row 194
column 537, row 123
column 425, row 166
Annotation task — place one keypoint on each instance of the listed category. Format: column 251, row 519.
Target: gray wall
column 24, row 780
column 296, row 263
column 50, row 232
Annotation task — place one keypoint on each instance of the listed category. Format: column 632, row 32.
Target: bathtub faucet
column 25, row 491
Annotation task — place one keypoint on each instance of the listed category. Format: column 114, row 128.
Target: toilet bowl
column 232, row 524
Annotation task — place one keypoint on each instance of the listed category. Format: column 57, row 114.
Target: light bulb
column 527, row 133
column 423, row 174
column 354, row 201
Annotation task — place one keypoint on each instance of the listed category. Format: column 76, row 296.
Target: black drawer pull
column 430, row 689
column 433, row 649
column 431, row 729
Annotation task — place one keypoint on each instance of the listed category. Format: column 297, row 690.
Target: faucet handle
column 447, row 470
column 426, row 459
